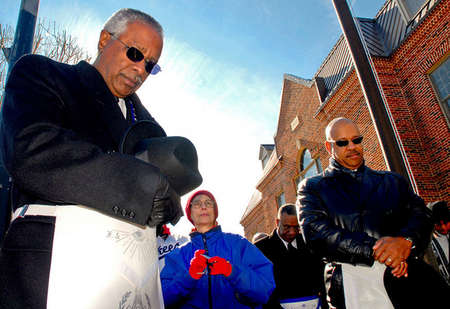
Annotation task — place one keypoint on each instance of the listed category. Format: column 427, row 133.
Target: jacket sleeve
column 176, row 282
column 50, row 162
column 326, row 238
column 252, row 275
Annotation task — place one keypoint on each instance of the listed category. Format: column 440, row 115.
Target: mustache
column 138, row 80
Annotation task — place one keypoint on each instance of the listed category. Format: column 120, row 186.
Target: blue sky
column 223, row 64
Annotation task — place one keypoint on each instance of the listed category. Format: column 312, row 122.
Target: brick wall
column 423, row 128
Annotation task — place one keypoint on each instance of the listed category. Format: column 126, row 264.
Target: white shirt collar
column 123, row 107
column 293, row 243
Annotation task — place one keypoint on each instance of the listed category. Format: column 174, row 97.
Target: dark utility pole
column 390, row 142
column 23, row 38
column 23, row 44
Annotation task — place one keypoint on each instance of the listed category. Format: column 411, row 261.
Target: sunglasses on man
column 136, row 55
column 343, row 143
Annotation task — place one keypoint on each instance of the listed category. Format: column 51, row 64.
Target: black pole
column 23, row 44
column 390, row 143
column 23, row 38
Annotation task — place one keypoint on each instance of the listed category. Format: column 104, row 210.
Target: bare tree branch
column 49, row 40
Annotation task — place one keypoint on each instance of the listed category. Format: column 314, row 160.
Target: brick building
column 408, row 43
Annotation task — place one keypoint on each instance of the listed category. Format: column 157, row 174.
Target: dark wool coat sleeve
column 60, row 148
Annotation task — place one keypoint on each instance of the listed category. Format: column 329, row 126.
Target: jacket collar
column 335, row 169
column 363, row 175
column 211, row 235
column 275, row 237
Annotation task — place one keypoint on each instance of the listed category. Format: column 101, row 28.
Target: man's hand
column 198, row 265
column 219, row 266
column 400, row 270
column 166, row 205
column 393, row 251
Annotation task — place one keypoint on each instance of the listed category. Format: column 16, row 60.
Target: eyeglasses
column 343, row 143
column 198, row 204
column 136, row 55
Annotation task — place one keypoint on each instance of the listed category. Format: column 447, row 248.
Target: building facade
column 408, row 43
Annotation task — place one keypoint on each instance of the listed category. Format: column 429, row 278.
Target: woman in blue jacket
column 215, row 269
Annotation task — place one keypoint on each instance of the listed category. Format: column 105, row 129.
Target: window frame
column 301, row 173
column 441, row 101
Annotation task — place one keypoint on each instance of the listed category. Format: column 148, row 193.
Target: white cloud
column 226, row 112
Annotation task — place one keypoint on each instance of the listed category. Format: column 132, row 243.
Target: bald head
column 343, row 142
column 334, row 124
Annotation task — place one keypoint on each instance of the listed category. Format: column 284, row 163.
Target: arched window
column 307, row 167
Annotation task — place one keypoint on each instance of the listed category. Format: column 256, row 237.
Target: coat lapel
column 105, row 104
column 280, row 244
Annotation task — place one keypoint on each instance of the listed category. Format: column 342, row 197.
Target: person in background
column 258, row 236
column 215, row 269
column 370, row 227
column 437, row 254
column 167, row 243
column 298, row 273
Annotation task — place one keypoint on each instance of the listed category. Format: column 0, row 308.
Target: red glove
column 198, row 264
column 219, row 266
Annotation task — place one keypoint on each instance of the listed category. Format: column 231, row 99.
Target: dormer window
column 265, row 151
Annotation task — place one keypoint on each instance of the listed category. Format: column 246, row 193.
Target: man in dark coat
column 298, row 273
column 438, row 252
column 370, row 226
column 60, row 132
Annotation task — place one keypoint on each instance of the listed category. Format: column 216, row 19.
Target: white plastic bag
column 364, row 287
column 99, row 262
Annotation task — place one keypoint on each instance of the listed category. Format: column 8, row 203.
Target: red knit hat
column 199, row 192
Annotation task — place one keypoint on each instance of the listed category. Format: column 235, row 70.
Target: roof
column 298, row 80
column 257, row 196
column 382, row 35
column 254, row 200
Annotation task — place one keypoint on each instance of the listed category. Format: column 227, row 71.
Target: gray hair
column 288, row 209
column 118, row 22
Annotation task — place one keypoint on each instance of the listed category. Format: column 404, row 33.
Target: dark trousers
column 423, row 288
column 25, row 263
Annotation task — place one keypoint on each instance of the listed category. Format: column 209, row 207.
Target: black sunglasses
column 356, row 141
column 136, row 55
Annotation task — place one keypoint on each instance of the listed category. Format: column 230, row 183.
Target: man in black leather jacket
column 362, row 219
column 61, row 130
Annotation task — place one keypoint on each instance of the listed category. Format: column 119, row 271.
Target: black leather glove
column 166, row 205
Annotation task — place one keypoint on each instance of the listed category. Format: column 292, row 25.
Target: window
column 281, row 200
column 308, row 167
column 440, row 79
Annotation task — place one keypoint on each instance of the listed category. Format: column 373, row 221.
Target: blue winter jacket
column 250, row 284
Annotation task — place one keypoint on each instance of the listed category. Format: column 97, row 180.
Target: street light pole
column 389, row 139
column 23, row 38
column 23, row 44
